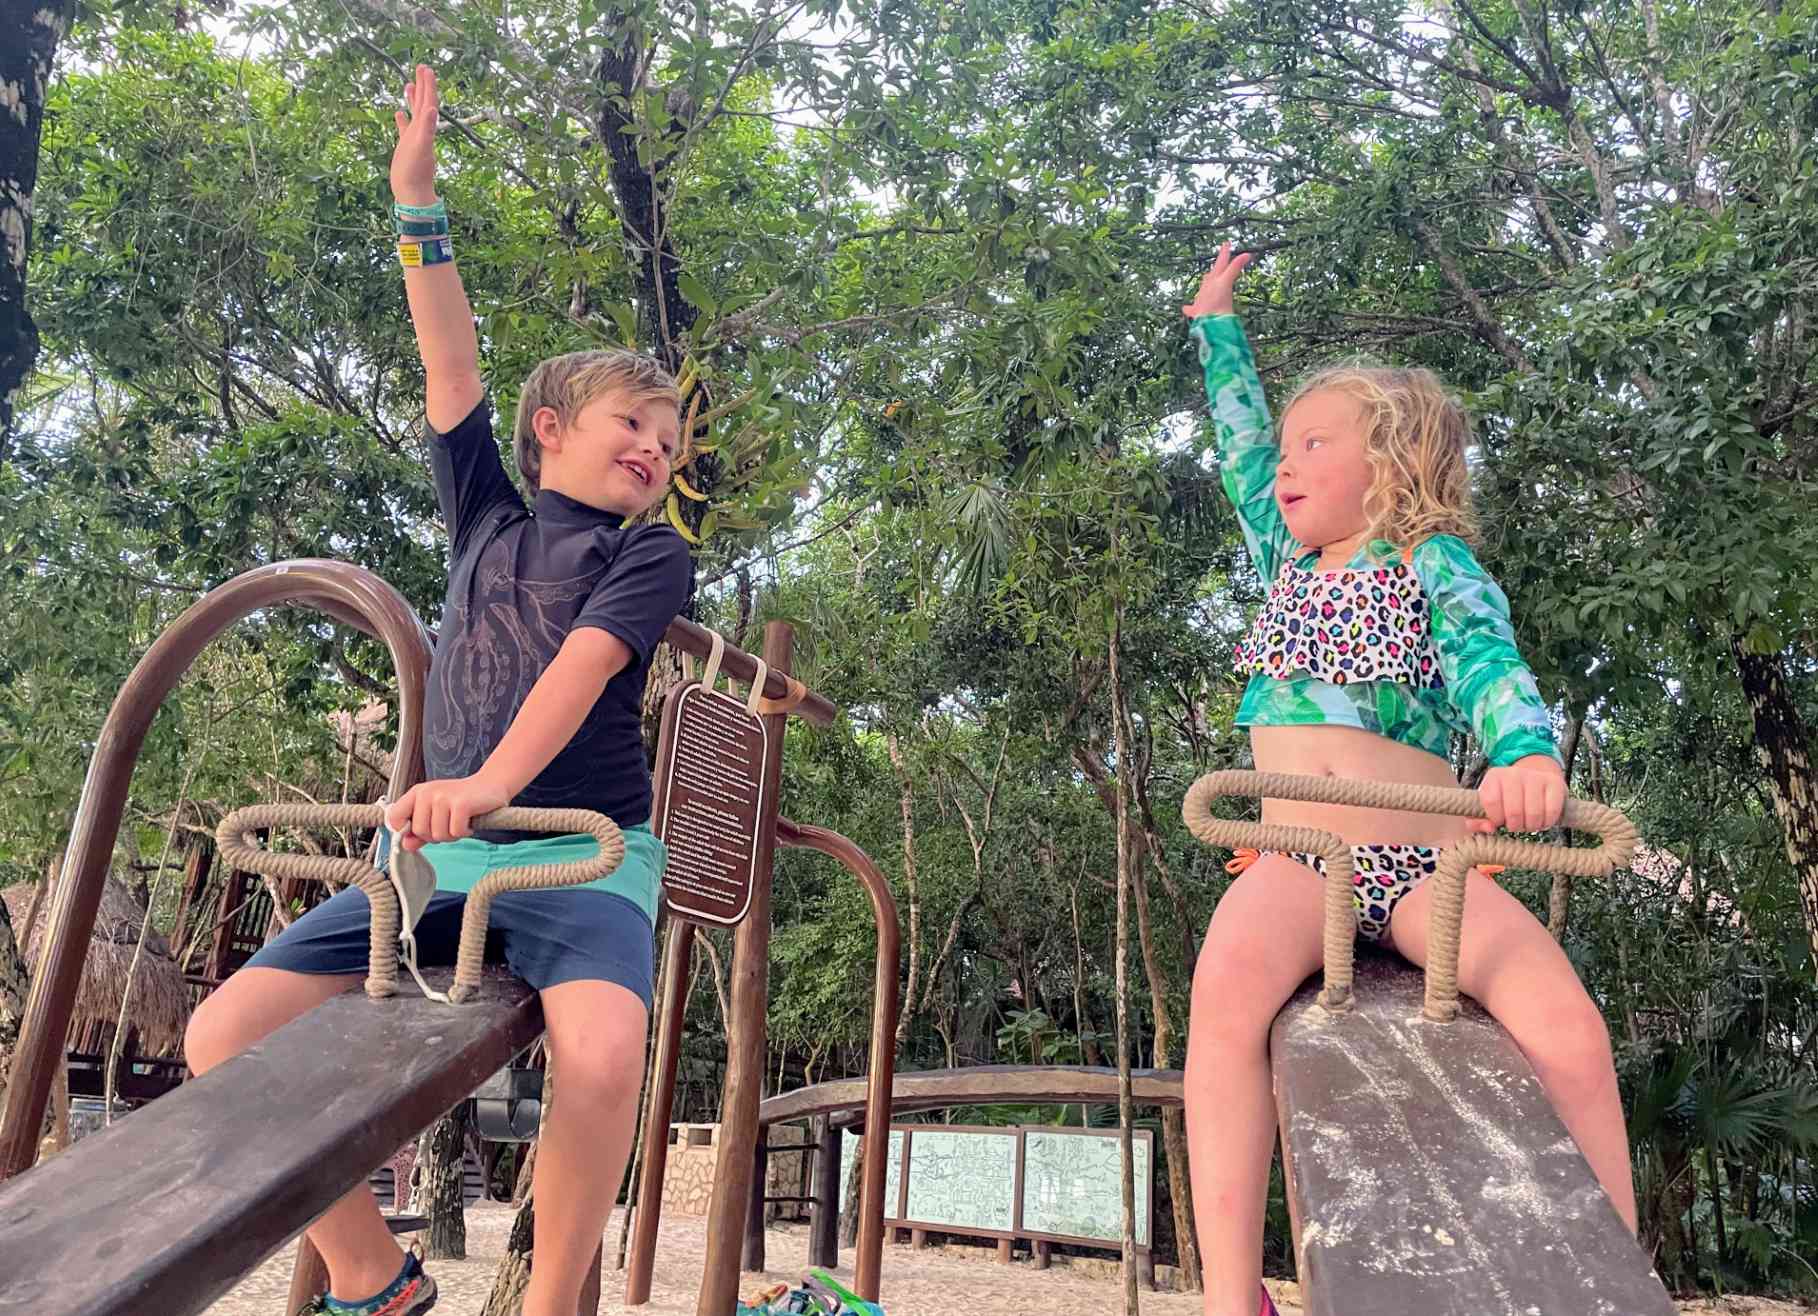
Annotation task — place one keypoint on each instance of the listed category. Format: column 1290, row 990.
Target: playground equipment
column 1427, row 1173
column 165, row 1212
column 1426, row 1170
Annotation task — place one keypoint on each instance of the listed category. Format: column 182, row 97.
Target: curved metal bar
column 339, row 588
column 883, row 1036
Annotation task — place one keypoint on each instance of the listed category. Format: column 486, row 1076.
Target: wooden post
column 1044, row 1253
column 308, row 1276
column 745, row 1043
column 918, row 1239
column 677, row 949
column 1006, row 1248
column 824, row 1228
column 227, row 916
column 754, row 1217
column 196, row 868
column 590, row 1287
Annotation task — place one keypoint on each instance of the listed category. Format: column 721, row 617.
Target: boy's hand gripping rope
column 238, row 842
column 1617, row 833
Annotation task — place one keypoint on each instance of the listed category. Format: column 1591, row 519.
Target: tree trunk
column 914, row 940
column 29, row 37
column 514, row 1268
column 520, row 1192
column 665, row 674
column 1722, row 1235
column 1174, row 1120
column 440, row 1186
column 1125, row 846
column 849, row 1206
column 15, row 986
column 1089, row 1049
column 1174, row 1132
column 639, row 185
column 1783, row 749
column 513, row 1276
column 1559, row 899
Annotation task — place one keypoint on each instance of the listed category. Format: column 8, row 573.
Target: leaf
column 627, row 321
column 672, row 508
column 696, row 292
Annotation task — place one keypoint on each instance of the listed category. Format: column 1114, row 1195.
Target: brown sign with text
column 709, row 797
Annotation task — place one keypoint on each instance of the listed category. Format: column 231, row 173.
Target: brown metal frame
column 741, row 1136
column 360, row 598
column 882, row 1064
column 348, row 593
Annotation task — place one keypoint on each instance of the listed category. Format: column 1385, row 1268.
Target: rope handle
column 237, row 840
column 1618, row 837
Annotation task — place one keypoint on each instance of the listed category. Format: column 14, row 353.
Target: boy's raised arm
column 438, row 304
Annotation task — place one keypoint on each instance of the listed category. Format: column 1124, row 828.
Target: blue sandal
column 410, row 1294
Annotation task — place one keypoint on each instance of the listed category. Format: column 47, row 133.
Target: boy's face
column 616, row 455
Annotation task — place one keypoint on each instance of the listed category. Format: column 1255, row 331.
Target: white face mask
column 414, row 879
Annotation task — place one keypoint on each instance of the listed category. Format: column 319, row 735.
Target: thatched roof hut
column 159, row 1009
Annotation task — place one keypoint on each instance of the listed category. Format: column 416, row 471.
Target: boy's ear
column 546, row 424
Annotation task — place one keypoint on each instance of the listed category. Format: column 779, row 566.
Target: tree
column 29, row 36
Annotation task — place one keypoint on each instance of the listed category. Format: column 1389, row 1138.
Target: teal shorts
column 597, row 932
column 461, row 864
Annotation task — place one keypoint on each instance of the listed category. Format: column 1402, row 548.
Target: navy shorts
column 545, row 937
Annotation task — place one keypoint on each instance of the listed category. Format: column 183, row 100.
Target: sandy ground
column 925, row 1283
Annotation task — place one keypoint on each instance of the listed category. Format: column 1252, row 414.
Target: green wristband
column 439, row 210
column 422, row 228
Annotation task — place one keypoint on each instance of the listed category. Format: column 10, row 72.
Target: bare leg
column 1510, row 965
column 596, row 1052
column 351, row 1235
column 1263, row 942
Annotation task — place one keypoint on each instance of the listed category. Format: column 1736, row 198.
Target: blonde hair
column 1415, row 435
column 569, row 382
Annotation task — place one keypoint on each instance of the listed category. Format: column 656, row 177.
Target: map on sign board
column 893, row 1175
column 709, row 798
column 966, row 1180
column 1073, row 1185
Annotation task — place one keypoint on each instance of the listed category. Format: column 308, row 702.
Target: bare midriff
column 1335, row 751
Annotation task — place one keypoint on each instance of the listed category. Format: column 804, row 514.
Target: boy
column 535, row 694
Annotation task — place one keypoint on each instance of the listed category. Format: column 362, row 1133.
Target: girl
column 1380, row 637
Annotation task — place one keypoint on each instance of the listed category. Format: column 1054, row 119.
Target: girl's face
column 1325, row 472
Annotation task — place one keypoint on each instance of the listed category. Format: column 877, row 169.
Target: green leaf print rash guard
column 1411, row 645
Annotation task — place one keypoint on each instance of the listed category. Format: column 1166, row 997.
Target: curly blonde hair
column 1416, row 432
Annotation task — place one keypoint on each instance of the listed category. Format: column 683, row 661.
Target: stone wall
column 688, row 1176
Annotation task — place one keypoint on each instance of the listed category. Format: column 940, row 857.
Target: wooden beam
column 931, row 1089
column 165, row 1211
column 1429, row 1172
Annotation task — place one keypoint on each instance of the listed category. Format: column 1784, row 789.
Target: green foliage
column 936, row 254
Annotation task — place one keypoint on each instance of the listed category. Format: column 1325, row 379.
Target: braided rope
column 239, row 846
column 1618, row 835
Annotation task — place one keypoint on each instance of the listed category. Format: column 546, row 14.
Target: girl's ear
column 546, row 424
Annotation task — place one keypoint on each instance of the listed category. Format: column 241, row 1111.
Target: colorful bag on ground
column 819, row 1294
